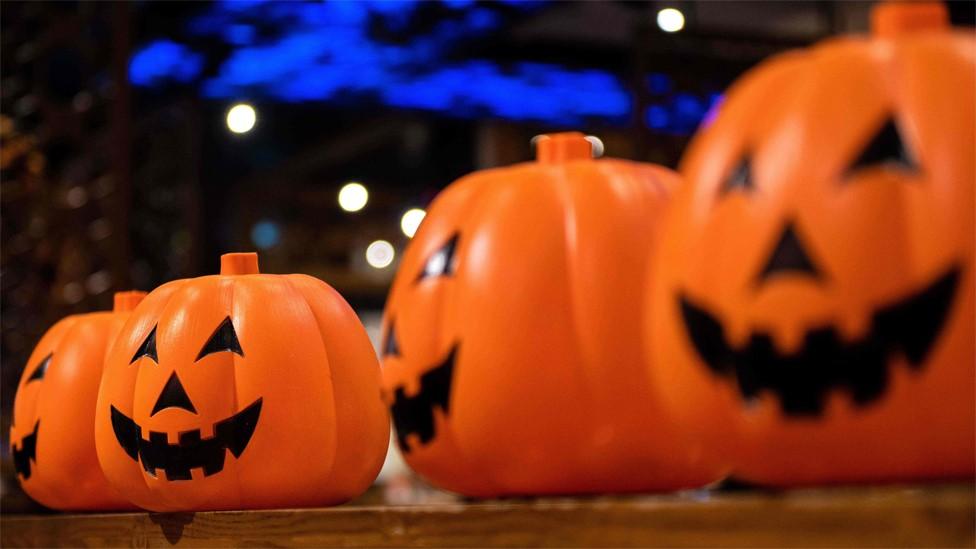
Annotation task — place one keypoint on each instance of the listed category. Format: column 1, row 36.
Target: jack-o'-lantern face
column 510, row 333
column 26, row 453
column 241, row 390
column 190, row 450
column 414, row 415
column 817, row 280
column 52, row 437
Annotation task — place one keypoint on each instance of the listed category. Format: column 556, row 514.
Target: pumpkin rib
column 504, row 196
column 232, row 282
column 333, row 433
column 359, row 412
column 85, row 323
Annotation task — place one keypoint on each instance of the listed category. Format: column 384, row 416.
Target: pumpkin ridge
column 231, row 281
column 333, row 433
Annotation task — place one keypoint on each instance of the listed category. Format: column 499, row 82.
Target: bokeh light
column 265, row 234
column 670, row 20
column 410, row 221
column 353, row 197
column 379, row 254
column 241, row 118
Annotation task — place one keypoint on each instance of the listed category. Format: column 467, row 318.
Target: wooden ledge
column 931, row 516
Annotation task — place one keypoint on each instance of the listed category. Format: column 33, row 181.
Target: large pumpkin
column 241, row 390
column 812, row 309
column 52, row 433
column 512, row 356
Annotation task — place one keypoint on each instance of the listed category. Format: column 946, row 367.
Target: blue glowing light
column 265, row 234
column 329, row 50
column 162, row 60
column 656, row 117
column 659, row 84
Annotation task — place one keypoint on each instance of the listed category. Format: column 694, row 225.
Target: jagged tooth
column 148, row 468
column 243, row 425
column 869, row 374
column 177, row 472
column 190, row 439
column 413, row 416
column 214, row 461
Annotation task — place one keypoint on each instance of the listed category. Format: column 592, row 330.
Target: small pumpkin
column 512, row 356
column 239, row 391
column 52, row 433
column 812, row 311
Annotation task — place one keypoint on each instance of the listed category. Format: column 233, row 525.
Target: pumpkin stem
column 126, row 301
column 898, row 18
column 554, row 148
column 239, row 264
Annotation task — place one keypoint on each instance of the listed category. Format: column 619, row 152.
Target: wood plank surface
column 932, row 516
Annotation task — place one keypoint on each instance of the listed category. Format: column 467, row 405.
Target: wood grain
column 941, row 516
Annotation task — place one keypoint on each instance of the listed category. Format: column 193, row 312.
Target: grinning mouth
column 191, row 451
column 415, row 414
column 27, row 453
column 825, row 362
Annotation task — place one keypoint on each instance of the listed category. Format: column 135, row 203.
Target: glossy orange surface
column 256, row 391
column 530, row 277
column 54, row 412
column 853, row 359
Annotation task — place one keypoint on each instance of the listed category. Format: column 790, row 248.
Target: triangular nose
column 173, row 396
column 789, row 256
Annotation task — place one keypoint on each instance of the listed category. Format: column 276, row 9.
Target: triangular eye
column 441, row 262
column 41, row 369
column 224, row 339
column 740, row 179
column 886, row 147
column 390, row 345
column 148, row 348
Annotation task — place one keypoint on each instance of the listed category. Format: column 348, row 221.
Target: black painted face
column 27, row 452
column 825, row 362
column 191, row 451
column 415, row 414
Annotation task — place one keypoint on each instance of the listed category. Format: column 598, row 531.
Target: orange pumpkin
column 241, row 390
column 52, row 434
column 812, row 313
column 512, row 356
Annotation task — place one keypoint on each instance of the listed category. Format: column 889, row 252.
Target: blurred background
column 139, row 141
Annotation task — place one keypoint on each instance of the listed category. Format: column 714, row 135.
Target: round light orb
column 353, row 197
column 670, row 20
column 241, row 118
column 410, row 221
column 379, row 254
column 265, row 234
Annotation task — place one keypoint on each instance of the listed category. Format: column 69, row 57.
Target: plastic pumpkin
column 512, row 358
column 52, row 433
column 812, row 309
column 241, row 390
